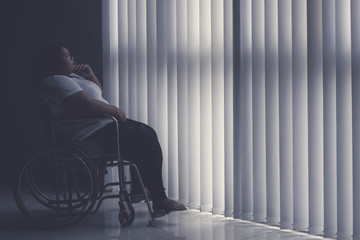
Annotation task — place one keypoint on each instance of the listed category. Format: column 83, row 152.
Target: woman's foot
column 166, row 207
column 169, row 205
column 172, row 205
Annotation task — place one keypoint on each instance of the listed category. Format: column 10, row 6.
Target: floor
column 190, row 224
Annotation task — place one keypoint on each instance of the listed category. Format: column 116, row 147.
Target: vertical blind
column 256, row 103
column 169, row 63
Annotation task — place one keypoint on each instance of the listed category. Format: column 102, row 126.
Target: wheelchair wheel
column 126, row 216
column 57, row 186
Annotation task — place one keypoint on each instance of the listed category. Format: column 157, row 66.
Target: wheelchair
column 63, row 181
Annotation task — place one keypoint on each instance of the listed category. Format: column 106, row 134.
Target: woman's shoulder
column 81, row 81
column 58, row 80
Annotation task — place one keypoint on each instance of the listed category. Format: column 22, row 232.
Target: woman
column 72, row 89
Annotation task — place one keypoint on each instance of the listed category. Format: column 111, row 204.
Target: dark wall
column 26, row 25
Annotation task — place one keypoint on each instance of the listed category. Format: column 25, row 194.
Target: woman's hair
column 47, row 61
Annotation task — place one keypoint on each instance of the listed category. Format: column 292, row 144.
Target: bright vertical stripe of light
column 218, row 104
column 272, row 112
column 258, row 95
column 316, row 119
column 123, row 53
column 285, row 110
column 344, row 120
column 123, row 67
column 355, row 51
column 330, row 176
column 162, row 114
column 132, row 60
column 300, row 116
column 229, row 126
column 141, row 61
column 110, row 60
column 205, row 102
column 193, row 11
column 246, row 128
column 151, row 46
column 173, row 170
column 181, row 28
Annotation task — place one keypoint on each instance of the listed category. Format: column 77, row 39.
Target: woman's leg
column 139, row 144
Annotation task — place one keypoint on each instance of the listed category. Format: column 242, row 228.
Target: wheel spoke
column 57, row 186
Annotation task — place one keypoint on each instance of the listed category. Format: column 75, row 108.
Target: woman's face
column 67, row 64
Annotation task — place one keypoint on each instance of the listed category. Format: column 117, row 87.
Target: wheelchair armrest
column 87, row 122
column 98, row 116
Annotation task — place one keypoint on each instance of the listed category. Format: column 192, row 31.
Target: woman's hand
column 84, row 71
column 121, row 115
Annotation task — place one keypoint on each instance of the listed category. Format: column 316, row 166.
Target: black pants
column 139, row 144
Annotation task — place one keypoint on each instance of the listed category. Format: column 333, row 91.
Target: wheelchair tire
column 57, row 187
column 126, row 218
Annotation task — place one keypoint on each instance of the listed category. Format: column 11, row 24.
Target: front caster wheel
column 126, row 217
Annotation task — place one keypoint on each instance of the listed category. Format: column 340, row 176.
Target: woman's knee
column 149, row 129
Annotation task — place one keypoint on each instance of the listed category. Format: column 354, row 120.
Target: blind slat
column 205, row 103
column 258, row 95
column 173, row 154
column 141, row 61
column 355, row 53
column 151, row 47
column 246, row 128
column 272, row 112
column 229, row 126
column 181, row 29
column 237, row 113
column 316, row 119
column 193, row 62
column 285, row 111
column 343, row 120
column 217, row 73
column 161, row 84
column 329, row 71
column 132, row 60
column 300, row 116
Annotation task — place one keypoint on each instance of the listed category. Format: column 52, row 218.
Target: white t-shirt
column 56, row 88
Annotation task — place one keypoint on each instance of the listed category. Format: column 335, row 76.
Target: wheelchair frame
column 90, row 166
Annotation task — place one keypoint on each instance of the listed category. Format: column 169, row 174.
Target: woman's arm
column 86, row 72
column 81, row 105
